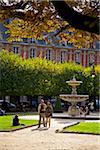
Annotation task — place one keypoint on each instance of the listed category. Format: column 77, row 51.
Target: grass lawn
column 22, row 113
column 6, row 123
column 85, row 127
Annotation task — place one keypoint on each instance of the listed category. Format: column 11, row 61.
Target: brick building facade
column 56, row 53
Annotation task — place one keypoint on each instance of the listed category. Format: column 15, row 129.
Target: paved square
column 46, row 139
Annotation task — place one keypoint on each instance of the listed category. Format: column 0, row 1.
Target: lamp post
column 93, row 77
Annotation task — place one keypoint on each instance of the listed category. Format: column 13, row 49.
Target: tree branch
column 76, row 19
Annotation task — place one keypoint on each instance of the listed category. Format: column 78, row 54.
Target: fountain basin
column 74, row 97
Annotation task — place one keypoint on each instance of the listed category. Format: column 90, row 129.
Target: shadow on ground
column 40, row 129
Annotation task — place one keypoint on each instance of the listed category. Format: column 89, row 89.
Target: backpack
column 48, row 111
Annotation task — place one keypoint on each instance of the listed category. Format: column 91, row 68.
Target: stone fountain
column 73, row 98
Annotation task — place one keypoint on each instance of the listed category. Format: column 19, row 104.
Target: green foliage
column 42, row 77
column 28, row 77
column 85, row 127
column 58, row 107
column 91, row 84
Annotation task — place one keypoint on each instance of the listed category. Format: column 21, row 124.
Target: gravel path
column 46, row 139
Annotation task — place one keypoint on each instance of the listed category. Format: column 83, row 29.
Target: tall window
column 32, row 53
column 49, row 54
column 63, row 56
column 77, row 57
column 16, row 50
column 91, row 59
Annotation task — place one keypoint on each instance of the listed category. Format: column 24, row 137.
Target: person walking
column 41, row 112
column 91, row 106
column 48, row 113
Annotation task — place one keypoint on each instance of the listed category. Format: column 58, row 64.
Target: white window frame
column 91, row 58
column 15, row 49
column 63, row 56
column 77, row 57
column 32, row 52
column 49, row 54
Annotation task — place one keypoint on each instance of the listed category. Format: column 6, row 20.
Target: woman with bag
column 48, row 113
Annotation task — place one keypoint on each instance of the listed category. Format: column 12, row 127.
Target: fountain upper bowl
column 74, row 82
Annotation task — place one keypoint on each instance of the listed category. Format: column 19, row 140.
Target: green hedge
column 42, row 77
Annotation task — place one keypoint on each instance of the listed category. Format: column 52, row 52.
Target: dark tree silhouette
column 25, row 9
column 76, row 19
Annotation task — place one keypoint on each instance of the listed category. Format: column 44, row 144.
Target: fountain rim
column 74, row 81
column 74, row 98
column 75, row 95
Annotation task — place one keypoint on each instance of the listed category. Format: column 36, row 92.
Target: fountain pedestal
column 73, row 98
column 73, row 110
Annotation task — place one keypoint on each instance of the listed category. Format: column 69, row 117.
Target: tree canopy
column 42, row 77
column 33, row 18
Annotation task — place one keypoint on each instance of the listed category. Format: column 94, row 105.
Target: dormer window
column 32, row 40
column 63, row 43
column 25, row 40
